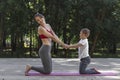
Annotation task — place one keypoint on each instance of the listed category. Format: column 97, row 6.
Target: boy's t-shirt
column 83, row 50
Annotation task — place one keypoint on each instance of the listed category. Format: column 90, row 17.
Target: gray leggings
column 83, row 65
column 44, row 53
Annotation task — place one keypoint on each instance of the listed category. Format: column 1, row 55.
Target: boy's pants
column 83, row 65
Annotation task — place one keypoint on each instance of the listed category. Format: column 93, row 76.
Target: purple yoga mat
column 71, row 74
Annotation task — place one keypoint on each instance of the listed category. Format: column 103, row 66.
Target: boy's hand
column 68, row 46
column 65, row 46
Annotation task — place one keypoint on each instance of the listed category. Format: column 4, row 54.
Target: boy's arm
column 75, row 45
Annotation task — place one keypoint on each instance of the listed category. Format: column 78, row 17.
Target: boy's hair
column 39, row 15
column 85, row 31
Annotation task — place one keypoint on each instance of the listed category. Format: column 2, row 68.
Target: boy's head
column 84, row 33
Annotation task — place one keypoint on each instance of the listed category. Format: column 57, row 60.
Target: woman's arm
column 65, row 45
column 53, row 37
column 53, row 31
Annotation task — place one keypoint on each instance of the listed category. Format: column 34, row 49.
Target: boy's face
column 82, row 35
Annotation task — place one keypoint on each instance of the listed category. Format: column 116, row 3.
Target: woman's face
column 40, row 20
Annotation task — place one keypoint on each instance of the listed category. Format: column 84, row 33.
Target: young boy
column 83, row 49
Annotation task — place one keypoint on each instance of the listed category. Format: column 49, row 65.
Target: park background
column 18, row 29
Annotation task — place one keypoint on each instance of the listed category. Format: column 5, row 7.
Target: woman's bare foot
column 28, row 68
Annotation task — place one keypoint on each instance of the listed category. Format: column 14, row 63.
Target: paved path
column 13, row 68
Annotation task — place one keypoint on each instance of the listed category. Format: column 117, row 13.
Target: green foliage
column 66, row 17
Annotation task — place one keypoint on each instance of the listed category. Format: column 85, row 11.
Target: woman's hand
column 66, row 46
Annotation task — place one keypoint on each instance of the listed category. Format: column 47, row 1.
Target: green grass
column 105, row 55
column 71, row 54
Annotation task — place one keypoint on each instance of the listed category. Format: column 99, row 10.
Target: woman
column 46, row 34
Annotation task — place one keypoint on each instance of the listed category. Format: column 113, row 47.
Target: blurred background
column 18, row 29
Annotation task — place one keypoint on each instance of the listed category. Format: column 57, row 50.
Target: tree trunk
column 13, row 43
column 65, row 40
column 114, row 48
column 94, row 43
column 1, row 25
column 30, row 42
column 4, row 39
column 100, row 18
